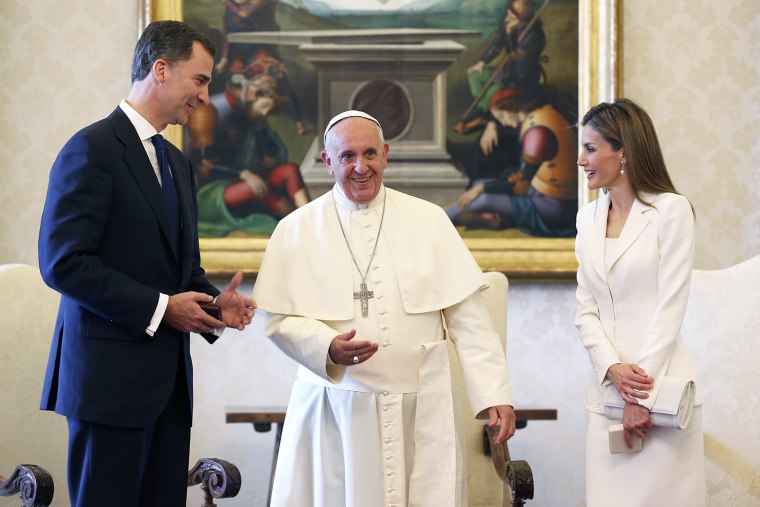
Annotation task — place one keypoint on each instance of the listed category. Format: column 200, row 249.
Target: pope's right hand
column 347, row 351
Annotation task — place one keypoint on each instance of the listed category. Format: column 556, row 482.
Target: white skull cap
column 348, row 114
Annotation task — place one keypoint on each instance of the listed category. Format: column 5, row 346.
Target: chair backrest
column 722, row 331
column 28, row 310
column 484, row 486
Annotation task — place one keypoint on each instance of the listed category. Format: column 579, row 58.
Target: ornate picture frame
column 532, row 259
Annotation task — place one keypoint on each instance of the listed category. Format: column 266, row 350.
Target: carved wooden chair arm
column 516, row 474
column 32, row 483
column 218, row 479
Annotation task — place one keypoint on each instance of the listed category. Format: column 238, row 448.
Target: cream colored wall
column 694, row 66
column 691, row 63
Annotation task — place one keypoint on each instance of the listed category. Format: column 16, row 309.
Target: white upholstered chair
column 485, row 488
column 722, row 330
column 28, row 309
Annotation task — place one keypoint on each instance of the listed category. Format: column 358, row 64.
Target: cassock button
column 385, row 393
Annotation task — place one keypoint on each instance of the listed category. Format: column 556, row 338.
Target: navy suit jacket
column 104, row 246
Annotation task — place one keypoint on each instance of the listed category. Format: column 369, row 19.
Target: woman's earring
column 622, row 167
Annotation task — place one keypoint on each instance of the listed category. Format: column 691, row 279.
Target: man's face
column 357, row 157
column 185, row 85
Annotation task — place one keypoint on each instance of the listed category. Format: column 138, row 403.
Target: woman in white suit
column 635, row 248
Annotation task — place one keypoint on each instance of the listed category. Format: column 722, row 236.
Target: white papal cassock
column 379, row 433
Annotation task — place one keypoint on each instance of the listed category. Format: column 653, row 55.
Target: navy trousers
column 132, row 467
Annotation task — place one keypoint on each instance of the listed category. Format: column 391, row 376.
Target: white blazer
column 632, row 311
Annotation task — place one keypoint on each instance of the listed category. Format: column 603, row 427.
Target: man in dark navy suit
column 119, row 241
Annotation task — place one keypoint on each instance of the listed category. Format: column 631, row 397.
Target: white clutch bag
column 672, row 408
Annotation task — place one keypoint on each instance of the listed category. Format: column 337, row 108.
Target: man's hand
column 183, row 313
column 505, row 416
column 237, row 310
column 343, row 349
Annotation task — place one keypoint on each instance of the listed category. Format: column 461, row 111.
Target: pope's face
column 357, row 156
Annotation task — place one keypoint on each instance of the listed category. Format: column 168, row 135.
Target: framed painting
column 479, row 101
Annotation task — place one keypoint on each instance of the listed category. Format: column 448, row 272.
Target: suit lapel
column 139, row 165
column 634, row 225
column 598, row 235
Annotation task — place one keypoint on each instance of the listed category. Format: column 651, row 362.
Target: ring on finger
column 355, row 359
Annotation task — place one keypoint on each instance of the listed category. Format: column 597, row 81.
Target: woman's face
column 599, row 161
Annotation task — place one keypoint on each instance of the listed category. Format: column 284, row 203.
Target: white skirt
column 669, row 471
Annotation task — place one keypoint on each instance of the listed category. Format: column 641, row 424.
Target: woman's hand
column 637, row 420
column 631, row 381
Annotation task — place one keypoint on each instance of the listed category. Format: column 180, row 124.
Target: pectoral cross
column 364, row 295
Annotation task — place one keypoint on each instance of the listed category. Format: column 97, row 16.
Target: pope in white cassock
column 362, row 287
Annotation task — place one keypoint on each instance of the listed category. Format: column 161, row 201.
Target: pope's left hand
column 237, row 310
column 505, row 416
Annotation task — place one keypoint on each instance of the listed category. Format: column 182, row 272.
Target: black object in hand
column 212, row 309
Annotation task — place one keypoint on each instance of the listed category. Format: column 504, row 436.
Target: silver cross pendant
column 364, row 295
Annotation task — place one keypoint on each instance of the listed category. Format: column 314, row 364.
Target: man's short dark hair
column 168, row 40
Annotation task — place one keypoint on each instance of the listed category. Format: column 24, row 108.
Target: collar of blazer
column 139, row 165
column 635, row 224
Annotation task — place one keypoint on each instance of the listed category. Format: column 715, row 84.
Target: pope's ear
column 326, row 160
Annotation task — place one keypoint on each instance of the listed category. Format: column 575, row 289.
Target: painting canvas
column 478, row 100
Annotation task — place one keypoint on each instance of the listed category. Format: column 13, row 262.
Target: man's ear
column 326, row 160
column 159, row 70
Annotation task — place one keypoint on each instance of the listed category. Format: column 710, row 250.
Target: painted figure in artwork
column 245, row 179
column 256, row 16
column 513, row 59
column 538, row 194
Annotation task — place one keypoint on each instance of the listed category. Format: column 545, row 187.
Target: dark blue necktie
column 169, row 191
